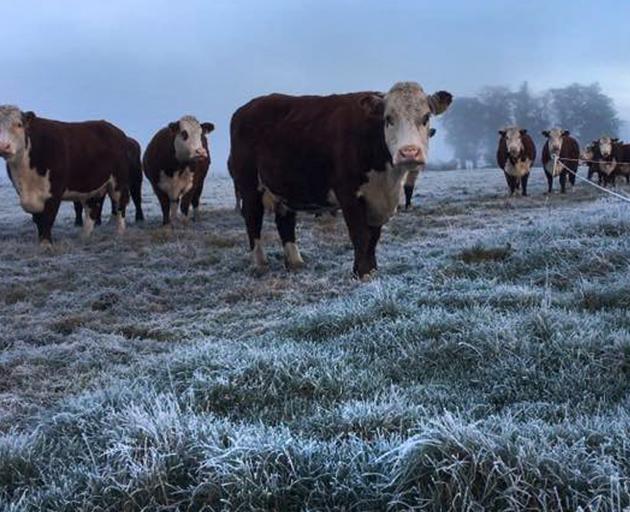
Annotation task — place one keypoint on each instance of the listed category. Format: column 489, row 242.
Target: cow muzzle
column 6, row 151
column 409, row 155
column 200, row 154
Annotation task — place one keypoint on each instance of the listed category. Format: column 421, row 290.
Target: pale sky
column 143, row 63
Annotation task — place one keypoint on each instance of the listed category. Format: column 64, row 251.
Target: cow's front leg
column 524, row 180
column 549, row 182
column 363, row 240
column 45, row 220
column 285, row 222
column 563, row 182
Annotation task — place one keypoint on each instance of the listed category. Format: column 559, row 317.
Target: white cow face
column 13, row 131
column 554, row 139
column 513, row 140
column 605, row 146
column 407, row 115
column 188, row 138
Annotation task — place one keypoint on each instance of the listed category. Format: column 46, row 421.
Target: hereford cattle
column 609, row 153
column 515, row 155
column 135, row 186
column 561, row 151
column 412, row 177
column 320, row 153
column 46, row 162
column 176, row 162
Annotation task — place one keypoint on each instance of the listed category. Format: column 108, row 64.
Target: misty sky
column 143, row 63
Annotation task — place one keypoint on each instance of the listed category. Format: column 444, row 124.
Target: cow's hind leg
column 285, row 222
column 78, row 213
column 253, row 212
column 135, row 189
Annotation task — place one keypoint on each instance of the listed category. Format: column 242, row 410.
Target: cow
column 47, row 161
column 609, row 151
column 135, row 186
column 560, row 152
column 515, row 155
column 623, row 160
column 176, row 162
column 412, row 177
column 321, row 153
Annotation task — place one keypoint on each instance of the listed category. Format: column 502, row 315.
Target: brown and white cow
column 515, row 155
column 561, row 151
column 412, row 177
column 47, row 162
column 176, row 162
column 610, row 152
column 317, row 153
column 135, row 186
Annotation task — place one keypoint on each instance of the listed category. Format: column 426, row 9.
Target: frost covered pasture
column 487, row 367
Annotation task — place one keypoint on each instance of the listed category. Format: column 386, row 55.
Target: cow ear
column 502, row 133
column 207, row 127
column 523, row 131
column 545, row 133
column 566, row 133
column 373, row 105
column 439, row 102
column 432, row 132
column 174, row 127
column 27, row 117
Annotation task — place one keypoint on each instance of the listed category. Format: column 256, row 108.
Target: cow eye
column 425, row 120
column 184, row 134
column 19, row 125
column 389, row 121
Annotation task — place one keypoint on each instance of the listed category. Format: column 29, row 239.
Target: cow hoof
column 45, row 246
column 293, row 266
column 139, row 217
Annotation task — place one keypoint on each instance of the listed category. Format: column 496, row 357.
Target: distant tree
column 531, row 112
column 461, row 123
column 498, row 112
column 585, row 110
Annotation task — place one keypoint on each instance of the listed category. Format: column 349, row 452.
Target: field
column 486, row 367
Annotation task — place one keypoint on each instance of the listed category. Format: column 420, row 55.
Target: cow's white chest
column 608, row 167
column 33, row 189
column 381, row 193
column 177, row 185
column 518, row 169
column 552, row 167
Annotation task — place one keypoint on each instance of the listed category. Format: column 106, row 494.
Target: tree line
column 472, row 123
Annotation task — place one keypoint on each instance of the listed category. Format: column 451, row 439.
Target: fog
column 141, row 64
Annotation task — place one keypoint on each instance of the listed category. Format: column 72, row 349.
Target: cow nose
column 410, row 152
column 201, row 153
column 5, row 149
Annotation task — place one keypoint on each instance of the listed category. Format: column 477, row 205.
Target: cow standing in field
column 176, row 162
column 610, row 151
column 135, row 186
column 515, row 155
column 47, row 162
column 412, row 177
column 561, row 151
column 318, row 153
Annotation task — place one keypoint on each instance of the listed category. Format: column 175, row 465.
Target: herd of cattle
column 355, row 152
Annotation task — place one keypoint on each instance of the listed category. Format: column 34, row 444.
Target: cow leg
column 78, row 213
column 511, row 181
column 196, row 196
column 120, row 198
column 92, row 209
column 572, row 177
column 375, row 235
column 549, row 182
column 173, row 207
column 563, row 182
column 285, row 222
column 408, row 195
column 184, row 204
column 253, row 212
column 135, row 190
column 45, row 220
column 164, row 205
column 237, row 199
column 363, row 238
column 524, row 180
